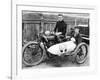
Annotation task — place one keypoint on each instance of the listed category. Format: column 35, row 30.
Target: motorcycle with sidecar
column 34, row 52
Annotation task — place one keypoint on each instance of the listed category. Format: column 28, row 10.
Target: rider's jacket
column 61, row 26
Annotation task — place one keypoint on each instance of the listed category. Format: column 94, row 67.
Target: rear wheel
column 81, row 53
column 32, row 54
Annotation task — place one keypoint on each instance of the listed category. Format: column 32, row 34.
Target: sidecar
column 68, row 48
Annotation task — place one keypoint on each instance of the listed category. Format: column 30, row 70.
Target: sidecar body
column 63, row 48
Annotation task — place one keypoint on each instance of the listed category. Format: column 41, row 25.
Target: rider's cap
column 76, row 27
column 60, row 14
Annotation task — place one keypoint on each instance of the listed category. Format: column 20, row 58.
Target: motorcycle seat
column 51, row 37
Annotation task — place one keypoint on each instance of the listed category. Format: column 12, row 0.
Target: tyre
column 81, row 53
column 32, row 54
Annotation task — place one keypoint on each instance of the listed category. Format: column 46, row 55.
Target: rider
column 61, row 26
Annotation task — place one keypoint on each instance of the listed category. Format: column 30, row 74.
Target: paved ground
column 59, row 62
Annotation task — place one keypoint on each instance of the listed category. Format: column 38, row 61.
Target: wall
column 34, row 22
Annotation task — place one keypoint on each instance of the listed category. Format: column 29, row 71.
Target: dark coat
column 61, row 26
column 78, row 39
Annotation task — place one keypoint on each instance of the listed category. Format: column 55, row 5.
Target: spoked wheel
column 81, row 53
column 32, row 54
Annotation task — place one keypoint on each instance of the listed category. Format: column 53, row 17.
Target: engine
column 49, row 39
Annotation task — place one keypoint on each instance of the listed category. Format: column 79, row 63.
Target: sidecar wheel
column 81, row 53
column 32, row 54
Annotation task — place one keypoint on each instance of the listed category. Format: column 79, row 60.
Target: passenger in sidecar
column 67, row 46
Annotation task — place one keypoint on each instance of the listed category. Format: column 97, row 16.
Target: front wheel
column 81, row 53
column 32, row 54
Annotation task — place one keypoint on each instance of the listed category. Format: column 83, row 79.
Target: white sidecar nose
column 54, row 49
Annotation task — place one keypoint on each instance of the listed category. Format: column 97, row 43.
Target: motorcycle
column 34, row 52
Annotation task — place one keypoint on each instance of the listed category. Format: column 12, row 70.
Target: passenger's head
column 76, row 29
column 60, row 17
